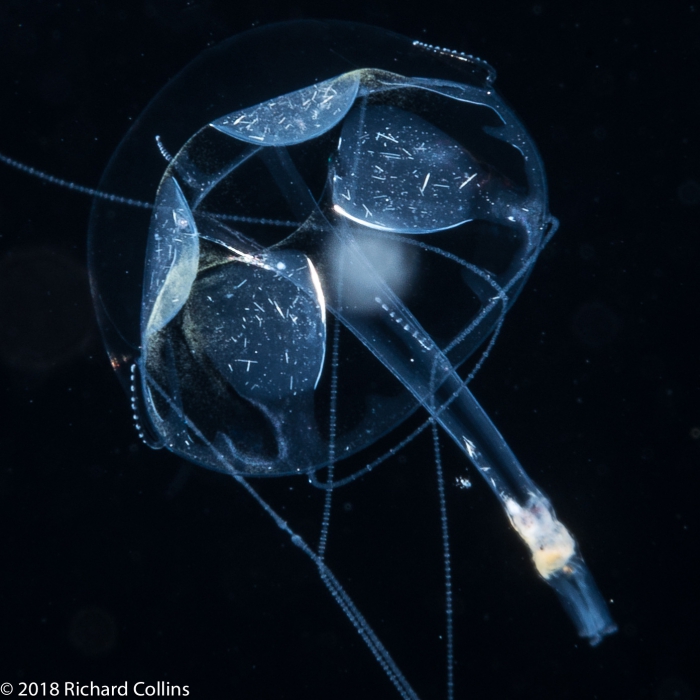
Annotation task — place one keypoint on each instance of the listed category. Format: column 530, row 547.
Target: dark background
column 121, row 564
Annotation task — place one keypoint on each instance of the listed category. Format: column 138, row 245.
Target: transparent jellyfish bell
column 346, row 220
column 409, row 182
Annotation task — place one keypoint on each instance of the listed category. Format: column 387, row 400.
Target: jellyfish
column 307, row 251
